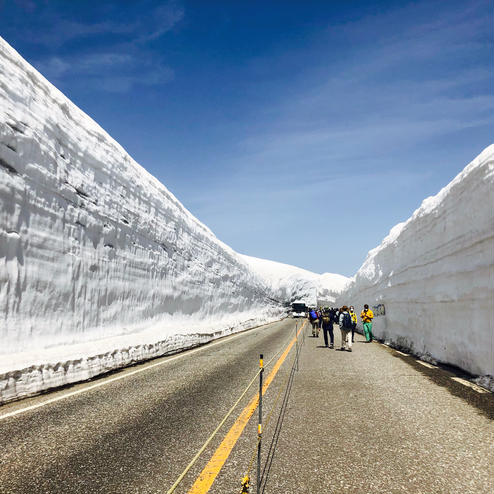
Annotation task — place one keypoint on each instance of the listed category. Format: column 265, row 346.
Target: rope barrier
column 246, row 478
column 211, row 437
column 254, row 452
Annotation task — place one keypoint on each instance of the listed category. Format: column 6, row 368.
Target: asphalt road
column 370, row 421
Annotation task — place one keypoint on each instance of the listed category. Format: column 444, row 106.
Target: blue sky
column 297, row 131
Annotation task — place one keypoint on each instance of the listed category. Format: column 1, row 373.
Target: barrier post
column 259, row 426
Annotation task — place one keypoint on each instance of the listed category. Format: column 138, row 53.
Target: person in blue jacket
column 314, row 320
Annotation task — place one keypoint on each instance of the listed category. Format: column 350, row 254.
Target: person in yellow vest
column 366, row 315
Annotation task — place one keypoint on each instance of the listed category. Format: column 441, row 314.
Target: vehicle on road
column 299, row 309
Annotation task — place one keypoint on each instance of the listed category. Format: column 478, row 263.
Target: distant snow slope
column 434, row 274
column 289, row 283
column 100, row 265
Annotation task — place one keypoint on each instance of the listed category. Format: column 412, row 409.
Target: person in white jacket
column 346, row 324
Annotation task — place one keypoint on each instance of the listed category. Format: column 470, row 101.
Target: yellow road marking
column 211, row 470
column 401, row 353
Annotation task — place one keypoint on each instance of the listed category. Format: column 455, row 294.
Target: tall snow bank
column 100, row 265
column 289, row 283
column 434, row 274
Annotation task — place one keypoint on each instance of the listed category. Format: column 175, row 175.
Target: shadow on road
column 441, row 376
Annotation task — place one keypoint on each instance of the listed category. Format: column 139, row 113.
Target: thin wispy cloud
column 52, row 68
column 68, row 30
column 110, row 72
column 374, row 101
column 117, row 57
column 150, row 24
column 164, row 18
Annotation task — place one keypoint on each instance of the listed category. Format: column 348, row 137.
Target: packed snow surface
column 434, row 275
column 100, row 265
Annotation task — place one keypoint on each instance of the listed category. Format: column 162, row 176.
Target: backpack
column 313, row 315
column 347, row 321
column 326, row 319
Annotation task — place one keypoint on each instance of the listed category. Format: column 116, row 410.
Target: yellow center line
column 211, row 470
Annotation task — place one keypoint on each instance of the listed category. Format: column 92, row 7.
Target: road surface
column 370, row 421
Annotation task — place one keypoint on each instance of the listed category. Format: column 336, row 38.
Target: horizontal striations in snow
column 434, row 274
column 291, row 283
column 100, row 265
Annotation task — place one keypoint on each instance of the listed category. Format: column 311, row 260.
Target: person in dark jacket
column 354, row 322
column 335, row 315
column 346, row 329
column 327, row 327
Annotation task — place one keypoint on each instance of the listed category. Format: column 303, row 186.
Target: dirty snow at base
column 100, row 265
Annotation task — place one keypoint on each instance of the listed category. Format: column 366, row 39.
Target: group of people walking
column 346, row 318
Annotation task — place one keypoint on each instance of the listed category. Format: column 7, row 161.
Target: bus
column 299, row 309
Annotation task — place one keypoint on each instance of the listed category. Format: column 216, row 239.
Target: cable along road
column 368, row 421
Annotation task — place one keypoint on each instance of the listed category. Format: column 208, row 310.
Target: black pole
column 259, row 427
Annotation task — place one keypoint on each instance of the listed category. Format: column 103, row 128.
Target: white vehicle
column 299, row 309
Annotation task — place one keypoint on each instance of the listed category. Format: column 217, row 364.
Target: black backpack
column 347, row 321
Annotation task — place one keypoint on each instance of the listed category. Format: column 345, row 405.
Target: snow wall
column 100, row 265
column 433, row 275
